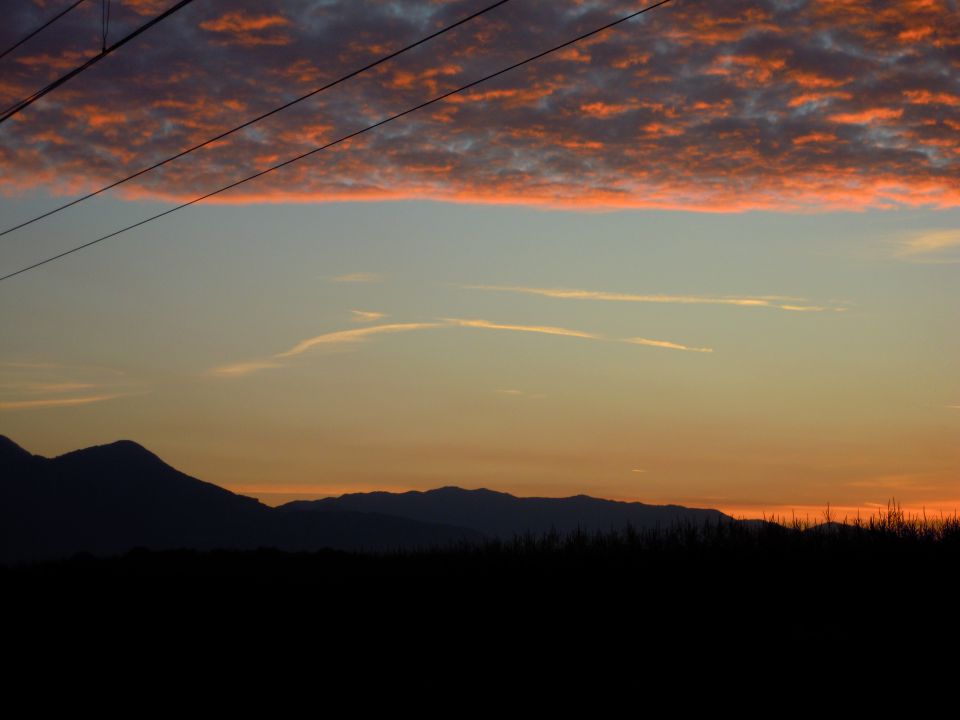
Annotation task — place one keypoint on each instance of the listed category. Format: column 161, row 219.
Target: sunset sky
column 709, row 257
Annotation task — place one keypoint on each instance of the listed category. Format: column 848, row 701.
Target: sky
column 707, row 258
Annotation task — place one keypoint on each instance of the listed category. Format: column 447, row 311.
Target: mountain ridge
column 502, row 515
column 111, row 498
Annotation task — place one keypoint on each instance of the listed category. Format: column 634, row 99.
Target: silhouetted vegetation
column 638, row 591
column 751, row 554
column 604, row 607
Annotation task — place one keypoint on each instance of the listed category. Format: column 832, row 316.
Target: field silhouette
column 703, row 595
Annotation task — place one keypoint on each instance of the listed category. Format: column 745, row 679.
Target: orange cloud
column 37, row 386
column 330, row 340
column 767, row 301
column 541, row 329
column 241, row 28
column 54, row 402
column 236, row 22
column 815, row 80
column 816, row 137
column 737, row 106
column 868, row 116
column 604, row 110
column 815, row 97
column 925, row 97
column 667, row 345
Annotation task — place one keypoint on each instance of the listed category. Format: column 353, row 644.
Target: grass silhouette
column 552, row 610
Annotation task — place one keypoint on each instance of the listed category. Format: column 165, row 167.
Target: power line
column 104, row 23
column 40, row 29
column 26, row 102
column 343, row 139
column 265, row 115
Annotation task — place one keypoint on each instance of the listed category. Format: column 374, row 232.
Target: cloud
column 351, row 336
column 245, row 368
column 521, row 393
column 870, row 115
column 340, row 338
column 542, row 329
column 357, row 277
column 565, row 332
column 37, row 385
column 667, row 345
column 766, row 301
column 914, row 481
column 930, row 246
column 247, row 29
column 44, row 388
column 55, row 402
column 331, row 339
column 367, row 316
column 722, row 106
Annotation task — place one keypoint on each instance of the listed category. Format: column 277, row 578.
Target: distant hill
column 500, row 515
column 109, row 499
column 112, row 498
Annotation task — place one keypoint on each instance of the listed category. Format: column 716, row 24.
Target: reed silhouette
column 610, row 603
column 596, row 612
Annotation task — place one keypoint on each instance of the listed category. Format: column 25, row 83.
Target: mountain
column 497, row 514
column 112, row 498
column 109, row 499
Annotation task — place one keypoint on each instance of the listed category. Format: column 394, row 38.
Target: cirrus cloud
column 41, row 385
column 667, row 345
column 779, row 302
column 340, row 339
column 330, row 340
column 937, row 246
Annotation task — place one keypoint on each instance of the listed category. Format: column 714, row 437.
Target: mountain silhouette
column 109, row 499
column 501, row 515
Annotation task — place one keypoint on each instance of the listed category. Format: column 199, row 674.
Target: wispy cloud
column 56, row 402
column 512, row 392
column 339, row 337
column 914, row 481
column 43, row 388
column 762, row 301
column 667, row 345
column 357, row 277
column 245, row 368
column 30, row 365
column 37, row 385
column 930, row 246
column 367, row 316
column 566, row 332
column 543, row 329
column 352, row 336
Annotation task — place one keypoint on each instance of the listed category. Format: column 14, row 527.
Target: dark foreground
column 621, row 610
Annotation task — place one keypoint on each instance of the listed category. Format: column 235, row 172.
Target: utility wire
column 104, row 24
column 343, row 139
column 40, row 29
column 265, row 115
column 17, row 107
